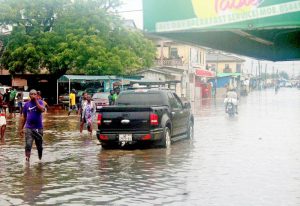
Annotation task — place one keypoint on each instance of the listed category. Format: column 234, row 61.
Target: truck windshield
column 143, row 99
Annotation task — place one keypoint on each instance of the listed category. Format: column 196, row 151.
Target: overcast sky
column 132, row 9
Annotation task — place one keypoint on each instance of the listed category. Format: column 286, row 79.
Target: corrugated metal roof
column 228, row 74
column 78, row 78
column 222, row 58
column 153, row 70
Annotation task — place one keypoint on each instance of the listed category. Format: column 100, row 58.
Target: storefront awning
column 204, row 73
column 268, row 29
column 234, row 74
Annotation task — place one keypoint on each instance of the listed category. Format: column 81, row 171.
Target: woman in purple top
column 32, row 113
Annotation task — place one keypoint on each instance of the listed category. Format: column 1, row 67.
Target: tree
column 284, row 75
column 64, row 36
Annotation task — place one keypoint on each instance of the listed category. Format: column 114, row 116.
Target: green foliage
column 284, row 75
column 64, row 36
column 281, row 74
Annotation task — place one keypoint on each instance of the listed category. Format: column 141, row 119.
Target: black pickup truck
column 145, row 116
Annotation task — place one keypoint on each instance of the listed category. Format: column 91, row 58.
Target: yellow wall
column 183, row 53
column 165, row 52
column 221, row 66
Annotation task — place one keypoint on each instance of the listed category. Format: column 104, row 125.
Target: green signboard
column 269, row 29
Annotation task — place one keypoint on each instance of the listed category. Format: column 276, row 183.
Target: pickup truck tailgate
column 125, row 118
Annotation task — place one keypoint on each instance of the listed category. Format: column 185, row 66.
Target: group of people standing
column 7, row 100
column 32, row 125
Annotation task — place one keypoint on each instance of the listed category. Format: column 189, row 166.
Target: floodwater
column 250, row 159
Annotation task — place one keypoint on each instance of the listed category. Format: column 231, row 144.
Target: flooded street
column 250, row 159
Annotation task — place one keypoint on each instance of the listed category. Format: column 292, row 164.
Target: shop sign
column 18, row 82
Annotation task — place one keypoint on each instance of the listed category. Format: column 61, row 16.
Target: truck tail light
column 99, row 120
column 103, row 137
column 153, row 119
column 146, row 137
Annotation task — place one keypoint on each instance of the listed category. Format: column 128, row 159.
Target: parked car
column 145, row 116
column 101, row 99
column 25, row 97
column 288, row 84
column 64, row 99
column 92, row 90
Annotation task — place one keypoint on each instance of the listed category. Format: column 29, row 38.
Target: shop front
column 203, row 83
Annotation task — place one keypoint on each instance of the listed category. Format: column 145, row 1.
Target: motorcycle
column 230, row 108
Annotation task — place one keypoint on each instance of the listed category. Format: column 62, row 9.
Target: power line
column 128, row 11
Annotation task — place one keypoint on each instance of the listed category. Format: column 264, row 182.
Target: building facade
column 222, row 63
column 182, row 61
column 228, row 69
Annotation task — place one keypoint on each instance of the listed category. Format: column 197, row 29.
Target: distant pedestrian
column 32, row 113
column 88, row 113
column 83, row 104
column 72, row 98
column 78, row 99
column 12, row 99
column 110, row 97
column 6, row 99
column 277, row 87
column 39, row 96
column 1, row 102
column 2, row 124
column 20, row 102
column 116, row 94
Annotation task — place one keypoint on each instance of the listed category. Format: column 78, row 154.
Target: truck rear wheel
column 190, row 132
column 165, row 142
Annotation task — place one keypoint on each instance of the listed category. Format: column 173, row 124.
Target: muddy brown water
column 251, row 159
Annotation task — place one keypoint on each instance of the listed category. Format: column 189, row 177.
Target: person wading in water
column 32, row 113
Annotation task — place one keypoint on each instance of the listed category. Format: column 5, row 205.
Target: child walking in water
column 2, row 124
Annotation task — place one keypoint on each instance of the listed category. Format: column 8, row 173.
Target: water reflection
column 33, row 182
column 147, row 175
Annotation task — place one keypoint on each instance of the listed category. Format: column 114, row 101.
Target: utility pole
column 256, row 71
column 273, row 74
column 266, row 74
column 251, row 67
column 293, row 69
column 259, row 75
column 161, row 53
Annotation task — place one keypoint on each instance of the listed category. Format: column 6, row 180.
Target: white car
column 288, row 84
column 25, row 98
